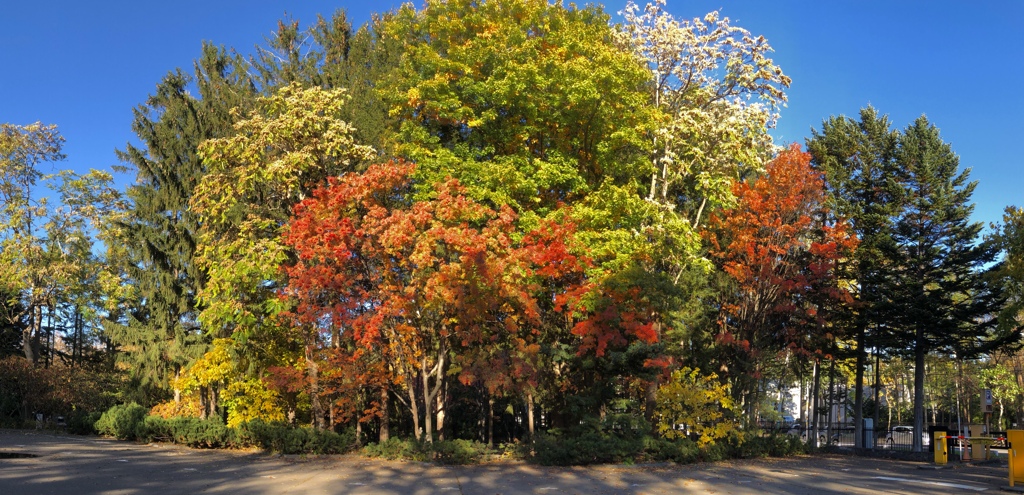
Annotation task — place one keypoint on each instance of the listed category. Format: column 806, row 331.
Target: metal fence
column 844, row 435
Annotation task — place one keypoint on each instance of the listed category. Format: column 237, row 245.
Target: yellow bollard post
column 940, row 448
column 1015, row 447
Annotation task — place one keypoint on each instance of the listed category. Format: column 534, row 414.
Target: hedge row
column 592, row 443
column 131, row 422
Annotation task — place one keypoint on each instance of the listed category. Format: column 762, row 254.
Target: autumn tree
column 436, row 287
column 280, row 151
column 716, row 91
column 48, row 223
column 780, row 256
column 22, row 150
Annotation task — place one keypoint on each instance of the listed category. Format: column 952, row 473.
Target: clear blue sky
column 85, row 65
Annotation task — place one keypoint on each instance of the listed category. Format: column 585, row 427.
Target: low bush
column 121, row 421
column 130, row 422
column 286, row 439
column 83, row 423
column 153, row 428
column 749, row 445
column 397, row 448
column 583, row 448
column 199, row 433
column 444, row 451
column 682, row 451
column 459, row 451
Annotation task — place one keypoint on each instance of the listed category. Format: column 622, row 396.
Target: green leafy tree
column 46, row 247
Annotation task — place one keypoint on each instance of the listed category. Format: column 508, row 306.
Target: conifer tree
column 858, row 159
column 939, row 297
column 162, row 335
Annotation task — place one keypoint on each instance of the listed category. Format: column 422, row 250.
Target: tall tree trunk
column 204, row 401
column 414, row 408
column 490, row 421
column 878, row 389
column 177, row 390
column 830, row 418
column 919, row 352
column 815, row 402
column 213, row 402
column 858, row 393
column 315, row 406
column 428, row 419
column 441, row 405
column 530, row 420
column 385, row 416
column 651, row 401
column 29, row 334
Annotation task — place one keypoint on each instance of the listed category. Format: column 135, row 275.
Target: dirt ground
column 46, row 463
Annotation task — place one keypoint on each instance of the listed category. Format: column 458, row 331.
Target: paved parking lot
column 86, row 465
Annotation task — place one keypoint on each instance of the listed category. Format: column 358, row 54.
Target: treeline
column 483, row 220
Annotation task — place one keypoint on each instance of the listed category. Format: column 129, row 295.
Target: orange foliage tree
column 779, row 257
column 409, row 293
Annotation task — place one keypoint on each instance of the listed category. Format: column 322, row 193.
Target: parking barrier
column 941, row 441
column 1014, row 440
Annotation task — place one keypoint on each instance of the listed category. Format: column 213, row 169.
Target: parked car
column 903, row 436
column 799, row 430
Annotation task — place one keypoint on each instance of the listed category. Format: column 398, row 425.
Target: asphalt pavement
column 47, row 463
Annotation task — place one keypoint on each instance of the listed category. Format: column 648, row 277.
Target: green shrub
column 446, row 451
column 750, row 445
column 199, row 433
column 153, row 428
column 121, row 421
column 397, row 448
column 286, row 439
column 459, row 451
column 682, row 451
column 83, row 423
column 587, row 447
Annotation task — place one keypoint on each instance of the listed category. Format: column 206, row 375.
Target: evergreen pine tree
column 858, row 159
column 941, row 299
column 163, row 335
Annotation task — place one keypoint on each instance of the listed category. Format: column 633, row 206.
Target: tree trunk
column 530, row 419
column 315, row 407
column 490, row 422
column 878, row 389
column 414, row 408
column 815, row 402
column 213, row 401
column 651, row 401
column 29, row 333
column 441, row 405
column 203, row 403
column 858, row 393
column 919, row 352
column 428, row 419
column 385, row 416
column 177, row 390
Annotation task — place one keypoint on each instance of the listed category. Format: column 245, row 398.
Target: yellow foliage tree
column 700, row 402
column 245, row 399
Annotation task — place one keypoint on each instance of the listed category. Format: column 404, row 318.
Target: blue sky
column 85, row 65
